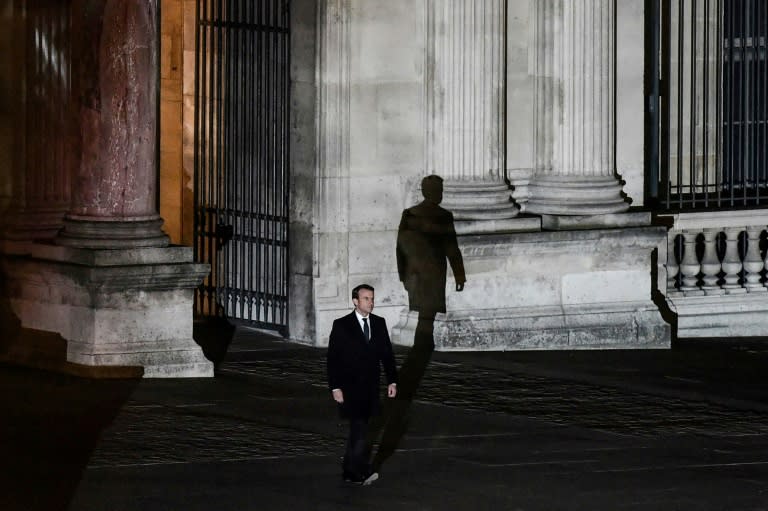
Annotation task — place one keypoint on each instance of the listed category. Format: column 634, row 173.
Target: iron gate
column 241, row 159
column 707, row 103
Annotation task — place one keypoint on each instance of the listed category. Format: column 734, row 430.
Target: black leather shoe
column 349, row 477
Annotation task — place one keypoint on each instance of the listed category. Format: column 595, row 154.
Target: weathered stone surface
column 606, row 221
column 583, row 327
column 725, row 315
column 552, row 290
column 113, row 307
column 115, row 52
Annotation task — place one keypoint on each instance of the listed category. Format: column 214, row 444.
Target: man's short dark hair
column 356, row 290
column 432, row 187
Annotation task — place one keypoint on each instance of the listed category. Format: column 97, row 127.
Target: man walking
column 359, row 345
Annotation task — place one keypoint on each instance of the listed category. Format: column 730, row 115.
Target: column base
column 575, row 195
column 104, row 233
column 482, row 207
column 33, row 225
column 113, row 308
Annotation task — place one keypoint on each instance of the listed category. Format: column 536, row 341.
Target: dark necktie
column 366, row 330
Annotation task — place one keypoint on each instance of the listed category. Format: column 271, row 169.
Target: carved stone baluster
column 672, row 267
column 753, row 263
column 690, row 266
column 731, row 261
column 710, row 264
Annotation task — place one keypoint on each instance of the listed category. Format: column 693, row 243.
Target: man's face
column 364, row 302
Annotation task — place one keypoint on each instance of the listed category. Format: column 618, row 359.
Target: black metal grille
column 241, row 159
column 709, row 107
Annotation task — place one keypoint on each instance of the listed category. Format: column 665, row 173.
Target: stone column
column 114, row 203
column 574, row 111
column 39, row 152
column 465, row 111
column 110, row 291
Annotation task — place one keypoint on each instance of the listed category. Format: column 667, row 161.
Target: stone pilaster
column 574, row 111
column 332, row 181
column 115, row 51
column 465, row 111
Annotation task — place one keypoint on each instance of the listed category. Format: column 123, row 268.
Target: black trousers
column 357, row 458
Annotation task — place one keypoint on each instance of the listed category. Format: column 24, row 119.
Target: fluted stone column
column 115, row 49
column 39, row 152
column 464, row 111
column 574, row 110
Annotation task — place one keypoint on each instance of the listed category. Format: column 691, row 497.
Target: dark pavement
column 672, row 429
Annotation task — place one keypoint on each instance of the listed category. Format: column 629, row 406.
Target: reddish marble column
column 115, row 72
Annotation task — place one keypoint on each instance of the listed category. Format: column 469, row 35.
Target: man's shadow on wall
column 426, row 241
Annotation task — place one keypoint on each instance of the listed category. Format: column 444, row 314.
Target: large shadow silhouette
column 426, row 243
column 51, row 422
column 214, row 334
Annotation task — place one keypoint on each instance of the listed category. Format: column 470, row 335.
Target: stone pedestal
column 733, row 315
column 587, row 289
column 112, row 307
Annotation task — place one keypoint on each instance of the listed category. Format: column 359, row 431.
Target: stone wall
column 371, row 152
column 374, row 82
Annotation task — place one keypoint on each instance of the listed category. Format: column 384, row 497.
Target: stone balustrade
column 715, row 272
column 716, row 261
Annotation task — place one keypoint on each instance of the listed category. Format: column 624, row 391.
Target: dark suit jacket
column 425, row 239
column 354, row 364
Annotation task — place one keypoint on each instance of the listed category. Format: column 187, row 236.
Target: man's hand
column 459, row 286
column 338, row 395
column 391, row 390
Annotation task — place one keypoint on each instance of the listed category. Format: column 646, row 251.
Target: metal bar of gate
column 713, row 150
column 680, row 45
column 665, row 94
column 705, row 113
column 241, row 157
column 719, row 105
column 692, row 121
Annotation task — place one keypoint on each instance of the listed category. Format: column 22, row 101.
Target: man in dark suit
column 359, row 345
column 426, row 239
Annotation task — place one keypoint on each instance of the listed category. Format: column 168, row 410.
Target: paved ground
column 637, row 430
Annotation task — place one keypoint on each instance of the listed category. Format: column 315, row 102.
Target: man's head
column 432, row 188
column 362, row 297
